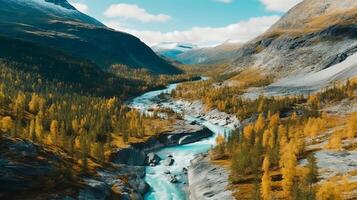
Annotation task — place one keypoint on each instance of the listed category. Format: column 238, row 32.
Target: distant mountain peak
column 181, row 46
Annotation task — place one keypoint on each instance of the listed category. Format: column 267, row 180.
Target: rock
column 172, row 179
column 194, row 122
column 26, row 167
column 140, row 185
column 167, row 172
column 152, row 158
column 184, row 170
column 95, row 190
column 129, row 156
column 169, row 161
column 207, row 181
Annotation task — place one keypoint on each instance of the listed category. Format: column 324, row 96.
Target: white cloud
column 81, row 7
column 224, row 1
column 131, row 11
column 279, row 5
column 239, row 32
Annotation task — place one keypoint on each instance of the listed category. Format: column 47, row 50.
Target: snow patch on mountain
column 59, row 5
column 178, row 46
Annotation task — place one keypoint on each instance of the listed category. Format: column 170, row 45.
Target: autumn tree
column 288, row 164
column 39, row 130
column 329, row 191
column 335, row 141
column 266, row 180
column 352, row 125
column 260, row 123
column 52, row 137
column 7, row 124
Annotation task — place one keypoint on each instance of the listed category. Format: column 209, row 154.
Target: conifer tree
column 352, row 125
column 266, row 180
column 288, row 163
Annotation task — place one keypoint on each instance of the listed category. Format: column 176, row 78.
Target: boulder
column 172, row 179
column 152, row 158
column 169, row 161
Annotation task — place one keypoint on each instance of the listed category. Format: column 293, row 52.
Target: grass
column 251, row 77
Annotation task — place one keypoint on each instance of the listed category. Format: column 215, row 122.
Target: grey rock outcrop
column 129, row 156
column 207, row 181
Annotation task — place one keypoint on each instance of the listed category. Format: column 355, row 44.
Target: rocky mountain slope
column 313, row 36
column 57, row 24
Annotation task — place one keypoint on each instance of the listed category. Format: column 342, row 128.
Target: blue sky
column 203, row 22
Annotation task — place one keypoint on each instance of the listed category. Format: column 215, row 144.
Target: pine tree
column 313, row 170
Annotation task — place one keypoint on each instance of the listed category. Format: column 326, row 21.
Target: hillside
column 313, row 36
column 57, row 24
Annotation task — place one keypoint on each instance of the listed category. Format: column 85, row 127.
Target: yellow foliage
column 219, row 139
column 274, row 120
column 288, row 163
column 352, row 126
column 7, row 124
column 260, row 123
column 335, row 141
column 314, row 126
column 267, row 135
column 248, row 131
column 329, row 191
column 266, row 193
column 39, row 126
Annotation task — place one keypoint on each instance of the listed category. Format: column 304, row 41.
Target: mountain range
column 58, row 25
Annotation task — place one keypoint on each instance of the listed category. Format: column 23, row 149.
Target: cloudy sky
column 201, row 22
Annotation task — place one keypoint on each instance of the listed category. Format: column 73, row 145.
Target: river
column 161, row 187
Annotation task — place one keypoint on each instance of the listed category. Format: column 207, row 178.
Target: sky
column 200, row 22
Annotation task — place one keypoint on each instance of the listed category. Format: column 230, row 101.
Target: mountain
column 57, row 24
column 172, row 50
column 190, row 54
column 312, row 37
column 210, row 55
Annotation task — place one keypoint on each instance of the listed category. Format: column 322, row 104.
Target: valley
column 99, row 108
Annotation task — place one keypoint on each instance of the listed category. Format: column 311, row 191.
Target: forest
column 86, row 126
column 265, row 156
